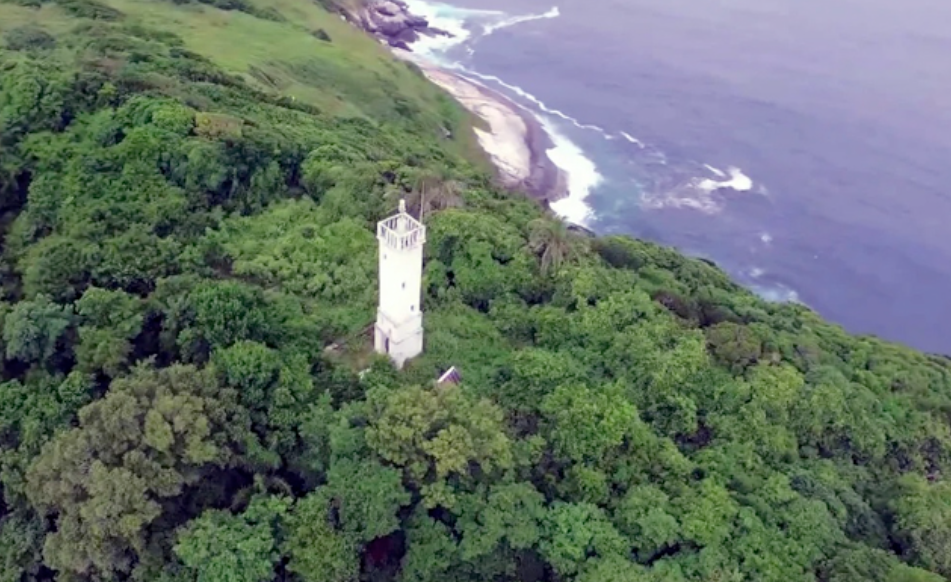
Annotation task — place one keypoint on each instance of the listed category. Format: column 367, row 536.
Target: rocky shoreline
column 513, row 138
column 392, row 22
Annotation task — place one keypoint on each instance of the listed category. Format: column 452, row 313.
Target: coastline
column 514, row 139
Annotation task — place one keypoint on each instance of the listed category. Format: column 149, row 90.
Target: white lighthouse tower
column 399, row 318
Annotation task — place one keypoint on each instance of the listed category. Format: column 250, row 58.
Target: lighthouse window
column 404, row 285
column 412, row 308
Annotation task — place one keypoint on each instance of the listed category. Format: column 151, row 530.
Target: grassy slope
column 353, row 75
column 48, row 17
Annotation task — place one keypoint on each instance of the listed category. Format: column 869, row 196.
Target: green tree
column 434, row 190
column 32, row 329
column 863, row 564
column 924, row 522
column 706, row 513
column 576, row 532
column 735, row 345
column 31, row 412
column 110, row 320
column 21, row 545
column 644, row 516
column 222, row 313
column 317, row 552
column 367, row 496
column 586, row 423
column 438, row 433
column 533, row 373
column 486, row 256
column 552, row 243
column 219, row 546
column 252, row 369
column 614, row 568
column 153, row 434
column 510, row 514
column 431, row 550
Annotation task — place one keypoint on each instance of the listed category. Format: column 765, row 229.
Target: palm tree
column 435, row 190
column 552, row 243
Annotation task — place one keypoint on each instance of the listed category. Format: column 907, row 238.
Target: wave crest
column 706, row 195
column 491, row 28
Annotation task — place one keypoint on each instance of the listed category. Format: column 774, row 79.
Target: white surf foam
column 582, row 174
column 444, row 17
column 490, row 28
column 701, row 194
column 531, row 98
column 716, row 171
column 681, row 198
column 766, row 238
column 456, row 21
column 631, row 139
column 776, row 293
column 738, row 181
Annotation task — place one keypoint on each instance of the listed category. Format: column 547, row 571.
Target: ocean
column 803, row 146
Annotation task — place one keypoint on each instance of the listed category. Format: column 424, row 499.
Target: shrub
column 28, row 38
column 90, row 9
column 321, row 34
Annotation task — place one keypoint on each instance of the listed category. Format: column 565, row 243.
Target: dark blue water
column 838, row 113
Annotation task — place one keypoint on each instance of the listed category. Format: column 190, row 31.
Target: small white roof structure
column 450, row 376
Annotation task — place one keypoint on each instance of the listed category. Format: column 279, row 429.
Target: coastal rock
column 407, row 36
column 433, row 31
column 388, row 8
column 416, row 21
column 394, row 24
column 392, row 27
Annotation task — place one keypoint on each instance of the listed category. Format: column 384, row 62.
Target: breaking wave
column 737, row 181
column 583, row 176
column 630, row 138
column 490, row 28
column 531, row 98
column 706, row 195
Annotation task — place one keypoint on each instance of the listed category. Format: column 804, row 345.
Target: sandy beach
column 513, row 139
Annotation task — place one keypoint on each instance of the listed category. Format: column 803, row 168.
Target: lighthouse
column 399, row 317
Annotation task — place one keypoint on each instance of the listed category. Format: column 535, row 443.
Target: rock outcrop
column 391, row 21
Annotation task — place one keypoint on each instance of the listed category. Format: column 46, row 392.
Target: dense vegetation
column 188, row 194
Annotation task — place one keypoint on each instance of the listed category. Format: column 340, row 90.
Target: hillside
column 188, row 193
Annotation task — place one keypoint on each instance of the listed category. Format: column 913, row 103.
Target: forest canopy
column 188, row 194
